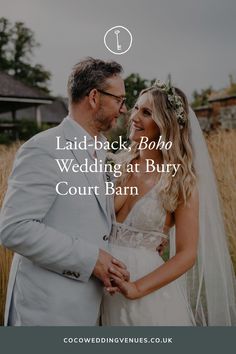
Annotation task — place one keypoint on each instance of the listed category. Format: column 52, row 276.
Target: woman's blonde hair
column 173, row 189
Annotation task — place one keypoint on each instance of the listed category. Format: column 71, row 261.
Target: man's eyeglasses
column 120, row 99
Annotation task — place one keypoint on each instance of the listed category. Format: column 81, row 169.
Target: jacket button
column 105, row 238
column 76, row 274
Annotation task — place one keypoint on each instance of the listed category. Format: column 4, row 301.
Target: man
column 61, row 264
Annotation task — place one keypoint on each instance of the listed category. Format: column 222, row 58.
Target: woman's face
column 142, row 123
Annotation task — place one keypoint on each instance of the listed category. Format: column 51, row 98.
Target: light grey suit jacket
column 56, row 238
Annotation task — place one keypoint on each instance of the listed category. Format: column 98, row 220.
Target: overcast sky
column 194, row 40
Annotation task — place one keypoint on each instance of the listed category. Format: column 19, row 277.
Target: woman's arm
column 187, row 230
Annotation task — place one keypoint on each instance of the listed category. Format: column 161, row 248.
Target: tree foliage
column 133, row 85
column 201, row 98
column 17, row 45
column 232, row 89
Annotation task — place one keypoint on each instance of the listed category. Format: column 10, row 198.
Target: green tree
column 5, row 35
column 232, row 87
column 17, row 45
column 201, row 98
column 133, row 85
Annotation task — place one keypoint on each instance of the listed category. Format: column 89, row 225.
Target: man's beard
column 102, row 122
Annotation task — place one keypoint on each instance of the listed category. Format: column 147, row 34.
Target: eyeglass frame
column 123, row 99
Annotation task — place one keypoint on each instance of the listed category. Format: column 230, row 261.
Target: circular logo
column 118, row 40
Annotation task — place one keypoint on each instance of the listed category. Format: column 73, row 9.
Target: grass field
column 6, row 159
column 222, row 147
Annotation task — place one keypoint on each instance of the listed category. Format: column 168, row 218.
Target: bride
column 196, row 285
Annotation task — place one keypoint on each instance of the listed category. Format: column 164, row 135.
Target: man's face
column 111, row 107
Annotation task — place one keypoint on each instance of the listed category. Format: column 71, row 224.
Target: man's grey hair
column 88, row 74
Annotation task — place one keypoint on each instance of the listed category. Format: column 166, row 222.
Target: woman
column 184, row 208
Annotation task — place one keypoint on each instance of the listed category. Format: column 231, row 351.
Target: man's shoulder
column 45, row 140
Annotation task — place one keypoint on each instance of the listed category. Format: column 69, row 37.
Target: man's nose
column 123, row 108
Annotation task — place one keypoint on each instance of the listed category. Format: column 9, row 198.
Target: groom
column 61, row 263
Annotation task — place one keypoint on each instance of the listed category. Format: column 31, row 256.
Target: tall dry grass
column 222, row 147
column 6, row 159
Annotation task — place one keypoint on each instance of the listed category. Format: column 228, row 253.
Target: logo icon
column 118, row 40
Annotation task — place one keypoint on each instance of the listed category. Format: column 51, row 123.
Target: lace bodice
column 147, row 213
column 143, row 226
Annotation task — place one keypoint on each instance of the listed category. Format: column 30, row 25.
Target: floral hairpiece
column 175, row 100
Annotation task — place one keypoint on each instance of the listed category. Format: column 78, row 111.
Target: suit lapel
column 81, row 155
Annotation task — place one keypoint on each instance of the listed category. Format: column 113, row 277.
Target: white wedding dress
column 134, row 242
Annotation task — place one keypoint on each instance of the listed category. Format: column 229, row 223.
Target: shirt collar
column 80, row 131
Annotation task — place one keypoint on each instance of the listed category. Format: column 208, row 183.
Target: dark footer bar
column 43, row 340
